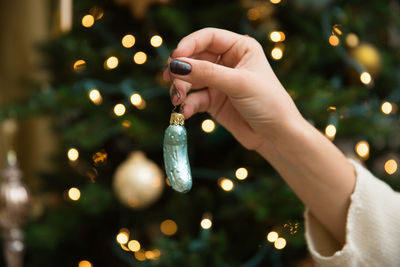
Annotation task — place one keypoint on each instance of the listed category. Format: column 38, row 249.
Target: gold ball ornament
column 138, row 182
column 369, row 57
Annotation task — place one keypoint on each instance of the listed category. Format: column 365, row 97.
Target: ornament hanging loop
column 175, row 91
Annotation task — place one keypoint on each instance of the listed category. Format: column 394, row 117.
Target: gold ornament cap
column 177, row 119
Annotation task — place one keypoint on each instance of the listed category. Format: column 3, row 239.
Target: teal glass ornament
column 176, row 159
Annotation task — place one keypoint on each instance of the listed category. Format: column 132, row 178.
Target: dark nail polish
column 179, row 67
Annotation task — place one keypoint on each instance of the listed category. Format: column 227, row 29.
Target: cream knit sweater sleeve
column 372, row 228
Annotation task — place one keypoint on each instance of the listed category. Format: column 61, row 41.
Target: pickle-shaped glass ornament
column 176, row 158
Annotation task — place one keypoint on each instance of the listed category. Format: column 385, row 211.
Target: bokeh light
column 85, row 263
column 226, row 184
column 140, row 58
column 87, row 21
column 391, row 166
column 280, row 243
column 79, row 65
column 73, row 154
column 330, row 131
column 253, row 14
column 156, row 41
column 119, row 109
column 277, row 36
column 272, row 236
column 122, row 237
column 362, row 149
column 276, row 53
column 334, row 40
column 387, row 108
column 208, row 126
column 140, row 256
column 168, row 227
column 241, row 173
column 206, row 223
column 74, row 193
column 365, row 78
column 95, row 96
column 352, row 40
column 134, row 245
column 128, row 41
column 111, row 63
column 275, row 1
column 136, row 99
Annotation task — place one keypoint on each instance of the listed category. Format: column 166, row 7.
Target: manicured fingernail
column 180, row 67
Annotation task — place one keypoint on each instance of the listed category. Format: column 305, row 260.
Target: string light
column 87, row 21
column 206, row 223
column 386, row 108
column 276, row 36
column 136, row 99
column 330, row 131
column 73, row 154
column 390, row 166
column 169, row 227
column 111, row 63
column 334, row 40
column 128, row 41
column 119, row 109
column 208, row 126
column 74, row 193
column 280, row 243
column 95, row 96
column 134, row 245
column 365, row 78
column 85, row 263
column 226, row 184
column 139, row 255
column 241, row 173
column 79, row 65
column 352, row 40
column 276, row 53
column 362, row 149
column 156, row 41
column 272, row 236
column 140, row 58
column 122, row 236
column 275, row 2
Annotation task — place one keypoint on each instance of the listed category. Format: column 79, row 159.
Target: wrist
column 284, row 135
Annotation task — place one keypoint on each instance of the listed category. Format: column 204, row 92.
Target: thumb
column 202, row 73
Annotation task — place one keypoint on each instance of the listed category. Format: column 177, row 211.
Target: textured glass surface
column 176, row 159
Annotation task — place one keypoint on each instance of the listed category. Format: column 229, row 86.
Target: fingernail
column 180, row 67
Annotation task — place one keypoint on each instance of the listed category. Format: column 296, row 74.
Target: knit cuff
column 372, row 207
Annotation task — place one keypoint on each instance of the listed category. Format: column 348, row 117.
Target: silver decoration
column 14, row 207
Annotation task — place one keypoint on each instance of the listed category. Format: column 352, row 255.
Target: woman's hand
column 243, row 94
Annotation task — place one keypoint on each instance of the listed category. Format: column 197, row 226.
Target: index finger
column 213, row 40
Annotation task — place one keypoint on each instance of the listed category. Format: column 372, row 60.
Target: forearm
column 316, row 170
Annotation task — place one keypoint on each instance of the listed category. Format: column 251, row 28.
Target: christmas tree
column 107, row 203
